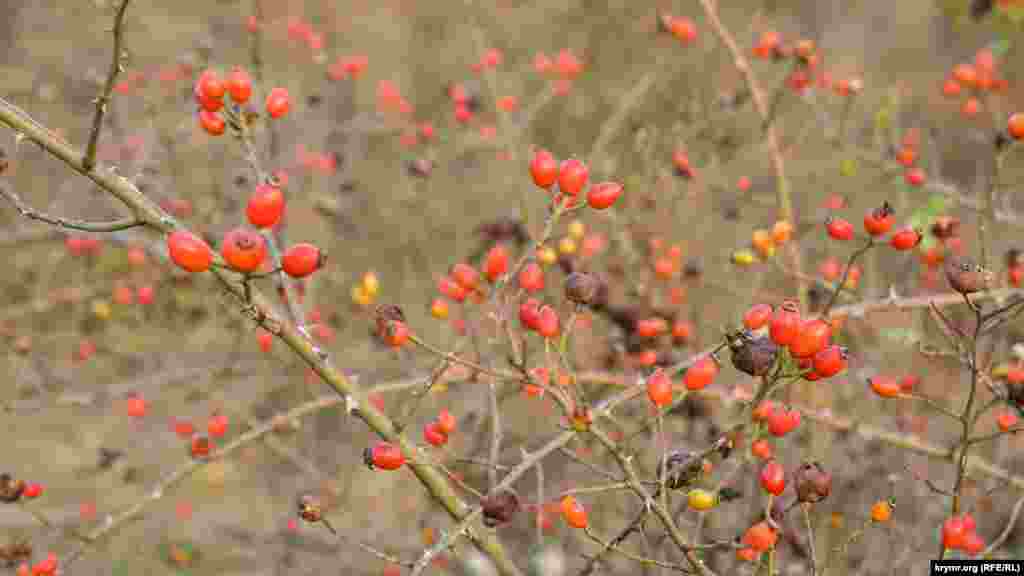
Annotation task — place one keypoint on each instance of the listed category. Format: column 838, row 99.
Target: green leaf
column 937, row 204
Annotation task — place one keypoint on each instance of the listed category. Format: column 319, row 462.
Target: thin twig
column 69, row 223
column 89, row 159
column 1007, row 530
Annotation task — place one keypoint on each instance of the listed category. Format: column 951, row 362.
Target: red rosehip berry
column 531, row 277
column 209, row 85
column 785, row 324
column 239, row 85
column 496, row 262
column 603, row 195
column 915, row 177
column 217, row 426
column 543, row 169
column 243, row 249
column 265, row 339
column 433, row 434
column 572, row 176
column 879, row 220
column 465, row 276
column 839, row 228
column 659, row 388
column 136, row 406
column 446, row 421
column 278, row 102
column 385, row 456
column 885, row 386
column 757, row 316
column 773, row 478
column 830, row 361
column 701, row 373
column 782, row 422
column 265, row 207
column 301, row 260
column 954, row 533
column 529, row 313
column 33, row 490
column 547, row 323
column 905, row 239
column 211, row 123
column 1015, row 126
column 189, row 251
column 812, row 337
column 573, row 512
column 451, row 289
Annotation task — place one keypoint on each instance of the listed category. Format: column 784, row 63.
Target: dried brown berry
column 946, row 227
column 10, row 489
column 499, row 508
column 680, row 469
column 310, row 508
column 582, row 288
column 813, row 483
column 753, row 355
column 967, row 276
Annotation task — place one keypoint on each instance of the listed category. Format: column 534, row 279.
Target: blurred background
column 367, row 185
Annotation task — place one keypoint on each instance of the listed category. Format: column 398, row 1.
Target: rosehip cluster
column 571, row 176
column 960, row 533
column 877, row 223
column 806, row 340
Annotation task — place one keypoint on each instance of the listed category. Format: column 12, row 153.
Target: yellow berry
column 360, row 296
column 700, row 499
column 743, row 257
column 567, row 245
column 371, row 284
column 546, row 255
column 101, row 309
